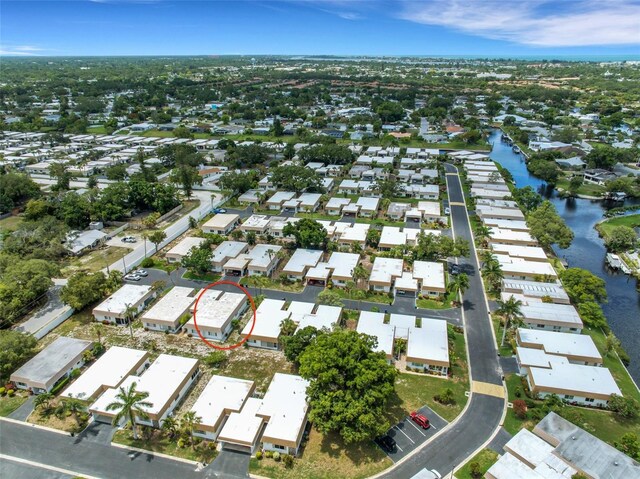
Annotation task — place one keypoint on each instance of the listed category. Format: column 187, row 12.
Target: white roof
column 309, row 199
column 183, row 248
column 372, row 324
column 262, row 255
column 536, row 289
column 386, row 269
column 109, row 370
column 280, row 197
column 324, row 317
column 515, row 265
column 583, row 380
column 431, row 274
column 565, row 344
column 406, row 282
column 368, row 204
column 269, row 315
column 341, row 264
column 285, row 403
column 161, row 381
column 221, row 221
column 228, row 249
column 558, row 313
column 509, row 467
column 216, row 309
column 256, row 221
column 243, row 426
column 402, row 323
column 171, row 306
column 356, row 232
column 429, row 342
column 302, row 259
column 429, row 208
column 221, row 396
column 499, row 234
column 127, row 295
column 337, row 203
column 518, row 251
column 537, row 358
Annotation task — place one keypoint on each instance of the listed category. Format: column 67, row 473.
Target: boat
column 516, row 149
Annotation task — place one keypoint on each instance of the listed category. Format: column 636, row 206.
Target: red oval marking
column 253, row 323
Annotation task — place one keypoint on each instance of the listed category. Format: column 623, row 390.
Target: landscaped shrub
column 530, row 403
column 3, row 391
column 268, row 454
column 518, row 392
column 520, row 409
column 75, row 373
column 147, row 263
column 276, row 456
column 445, row 397
column 258, row 455
column 475, row 469
column 181, row 443
column 10, row 393
column 287, row 459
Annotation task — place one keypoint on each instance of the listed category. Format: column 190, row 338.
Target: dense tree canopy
column 308, row 233
column 546, row 225
column 296, row 178
column 350, row 385
column 433, row 248
column 15, row 349
column 621, row 238
column 582, row 285
column 327, row 154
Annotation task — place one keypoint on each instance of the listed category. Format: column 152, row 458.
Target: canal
column 587, row 250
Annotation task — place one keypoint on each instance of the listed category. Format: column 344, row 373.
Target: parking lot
column 409, row 436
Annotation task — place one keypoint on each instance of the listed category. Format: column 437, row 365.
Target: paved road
column 483, row 413
column 309, row 294
column 131, row 260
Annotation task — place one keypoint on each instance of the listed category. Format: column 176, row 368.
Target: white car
column 129, row 239
column 447, row 211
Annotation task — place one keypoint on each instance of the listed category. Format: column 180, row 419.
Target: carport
column 406, row 286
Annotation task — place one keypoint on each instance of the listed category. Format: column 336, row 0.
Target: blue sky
column 545, row 28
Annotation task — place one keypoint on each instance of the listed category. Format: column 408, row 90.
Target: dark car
column 455, row 269
column 420, row 420
column 219, row 210
column 387, row 443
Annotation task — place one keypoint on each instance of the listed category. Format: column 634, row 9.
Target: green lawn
column 325, row 456
column 632, row 221
column 96, row 130
column 585, row 189
column 318, row 216
column 371, row 296
column 10, row 404
column 208, row 277
column 485, row 458
column 271, row 283
column 603, row 424
column 162, row 444
column 505, row 350
column 427, row 303
column 10, row 223
column 381, row 222
column 95, row 260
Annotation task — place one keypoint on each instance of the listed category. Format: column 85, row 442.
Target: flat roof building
column 167, row 381
column 430, row 277
column 577, row 348
column 114, row 308
column 225, row 251
column 300, row 262
column 428, row 347
column 536, row 290
column 339, row 267
column 222, row 223
column 179, row 251
column 384, row 273
column 108, row 371
column 165, row 315
column 51, row 365
column 553, row 317
column 372, row 324
column 215, row 312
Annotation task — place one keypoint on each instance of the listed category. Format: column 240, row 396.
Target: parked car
column 447, row 211
column 455, row 269
column 132, row 277
column 219, row 210
column 141, row 272
column 129, row 239
column 387, row 443
column 420, row 420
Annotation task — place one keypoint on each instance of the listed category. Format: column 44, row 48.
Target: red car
column 420, row 420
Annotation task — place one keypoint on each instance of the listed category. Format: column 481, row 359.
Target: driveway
column 229, row 465
column 409, row 436
column 22, row 413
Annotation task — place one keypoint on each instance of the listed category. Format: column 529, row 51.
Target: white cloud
column 19, row 50
column 535, row 22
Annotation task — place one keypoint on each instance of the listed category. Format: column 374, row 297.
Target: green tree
column 170, row 426
column 611, row 343
column 288, row 327
column 511, row 311
column 308, row 233
column 545, row 170
column 625, row 407
column 83, row 289
column 592, row 315
column 198, row 260
column 129, row 404
column 459, row 284
column 43, row 401
column 189, row 421
column 583, row 286
column 388, row 187
column 186, row 176
column 574, row 185
column 330, row 298
column 17, row 188
column 433, row 248
column 59, row 171
column 546, row 225
column 390, row 111
column 629, row 444
column 239, row 182
column 327, row 154
column 350, row 385
column 621, row 238
column 373, row 237
column 157, row 237
column 295, row 345
column 296, row 178
column 527, row 198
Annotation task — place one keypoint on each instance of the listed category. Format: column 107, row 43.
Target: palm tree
column 75, row 407
column 482, row 234
column 492, row 272
column 510, row 311
column 43, row 401
column 98, row 328
column 487, row 256
column 288, row 327
column 130, row 314
column 360, row 272
column 170, row 426
column 459, row 284
column 189, row 422
column 130, row 403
